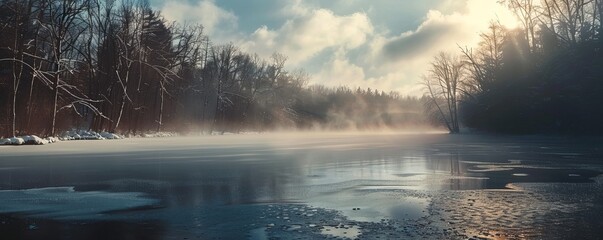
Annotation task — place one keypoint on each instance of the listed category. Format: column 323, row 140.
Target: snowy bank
column 66, row 136
column 26, row 140
column 12, row 141
column 78, row 135
column 88, row 135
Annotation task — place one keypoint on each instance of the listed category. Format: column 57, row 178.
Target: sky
column 381, row 44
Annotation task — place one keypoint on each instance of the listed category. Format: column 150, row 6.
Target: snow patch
column 34, row 140
column 108, row 135
column 88, row 135
column 13, row 141
column 81, row 135
column 159, row 134
column 26, row 140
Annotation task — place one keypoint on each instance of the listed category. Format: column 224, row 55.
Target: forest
column 119, row 66
column 544, row 77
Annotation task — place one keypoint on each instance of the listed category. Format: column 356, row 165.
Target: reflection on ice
column 258, row 234
column 373, row 203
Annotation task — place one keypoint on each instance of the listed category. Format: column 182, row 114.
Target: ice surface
column 217, row 186
column 342, row 231
column 66, row 203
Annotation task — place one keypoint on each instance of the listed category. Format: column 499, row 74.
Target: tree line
column 543, row 77
column 119, row 66
column 343, row 108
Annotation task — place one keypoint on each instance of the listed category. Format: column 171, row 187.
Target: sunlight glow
column 486, row 11
column 507, row 18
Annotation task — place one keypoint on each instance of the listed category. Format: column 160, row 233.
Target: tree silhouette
column 443, row 84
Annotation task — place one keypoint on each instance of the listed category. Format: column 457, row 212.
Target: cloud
column 444, row 32
column 205, row 12
column 437, row 30
column 339, row 71
column 399, row 61
column 309, row 32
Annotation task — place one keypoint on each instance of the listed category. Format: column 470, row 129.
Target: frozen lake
column 286, row 185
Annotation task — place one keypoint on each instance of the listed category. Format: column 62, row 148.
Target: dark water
column 301, row 185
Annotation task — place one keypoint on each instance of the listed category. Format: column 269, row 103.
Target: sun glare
column 485, row 11
column 506, row 17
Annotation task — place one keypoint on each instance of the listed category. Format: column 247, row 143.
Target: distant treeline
column 347, row 109
column 118, row 66
column 545, row 77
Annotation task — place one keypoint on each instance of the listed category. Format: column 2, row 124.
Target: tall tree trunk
column 203, row 109
column 121, row 111
column 15, row 84
column 17, row 69
column 160, row 122
column 54, row 104
column 29, row 103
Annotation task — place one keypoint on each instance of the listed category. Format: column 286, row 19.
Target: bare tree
column 223, row 73
column 443, row 83
column 486, row 61
column 21, row 14
column 572, row 21
column 528, row 13
column 65, row 29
